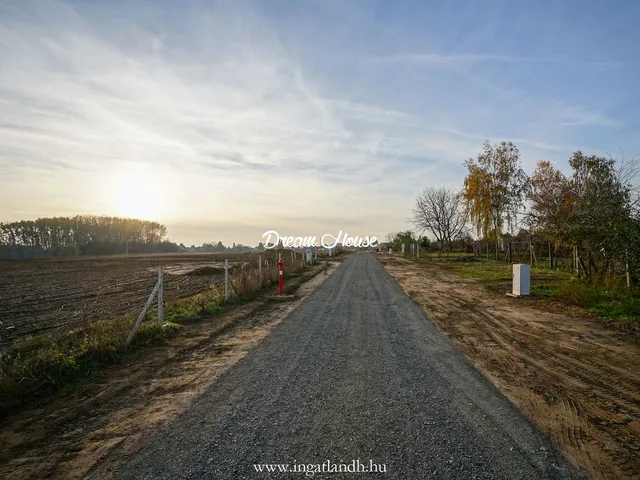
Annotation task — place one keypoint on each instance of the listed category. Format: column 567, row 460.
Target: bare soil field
column 576, row 379
column 49, row 294
column 101, row 424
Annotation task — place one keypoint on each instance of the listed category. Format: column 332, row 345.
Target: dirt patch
column 56, row 294
column 208, row 270
column 101, row 424
column 578, row 381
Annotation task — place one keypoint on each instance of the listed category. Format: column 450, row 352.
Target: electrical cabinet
column 521, row 279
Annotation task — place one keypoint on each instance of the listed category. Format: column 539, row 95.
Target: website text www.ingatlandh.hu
column 310, row 469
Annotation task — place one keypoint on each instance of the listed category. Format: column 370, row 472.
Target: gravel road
column 356, row 372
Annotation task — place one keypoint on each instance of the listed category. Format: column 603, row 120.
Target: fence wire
column 38, row 296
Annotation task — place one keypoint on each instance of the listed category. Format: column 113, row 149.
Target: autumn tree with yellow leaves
column 495, row 189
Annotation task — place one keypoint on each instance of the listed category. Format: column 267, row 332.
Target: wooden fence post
column 160, row 296
column 260, row 268
column 550, row 258
column 530, row 252
column 533, row 254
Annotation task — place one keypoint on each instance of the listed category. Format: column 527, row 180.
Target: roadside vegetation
column 35, row 367
column 612, row 303
column 579, row 231
column 38, row 366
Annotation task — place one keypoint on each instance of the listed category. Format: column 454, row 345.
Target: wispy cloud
column 241, row 123
column 435, row 58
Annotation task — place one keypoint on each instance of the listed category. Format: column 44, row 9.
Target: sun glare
column 137, row 195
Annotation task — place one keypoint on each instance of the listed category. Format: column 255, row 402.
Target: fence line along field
column 50, row 294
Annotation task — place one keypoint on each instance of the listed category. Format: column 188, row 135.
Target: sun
column 137, row 195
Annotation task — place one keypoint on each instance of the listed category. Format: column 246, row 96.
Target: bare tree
column 391, row 237
column 441, row 212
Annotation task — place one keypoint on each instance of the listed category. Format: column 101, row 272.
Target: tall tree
column 551, row 202
column 495, row 188
column 440, row 212
column 602, row 219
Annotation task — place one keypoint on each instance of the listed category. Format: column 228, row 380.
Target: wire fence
column 537, row 254
column 534, row 253
column 45, row 295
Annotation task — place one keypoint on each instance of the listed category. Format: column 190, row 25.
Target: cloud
column 435, row 58
column 372, row 113
column 241, row 125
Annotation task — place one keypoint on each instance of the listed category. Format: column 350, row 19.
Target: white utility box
column 521, row 279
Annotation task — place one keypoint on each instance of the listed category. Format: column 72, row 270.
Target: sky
column 225, row 119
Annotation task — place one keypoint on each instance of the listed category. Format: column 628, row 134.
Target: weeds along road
column 356, row 372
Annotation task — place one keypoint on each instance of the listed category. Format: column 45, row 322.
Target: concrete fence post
column 143, row 313
column 160, row 296
column 260, row 268
column 226, row 279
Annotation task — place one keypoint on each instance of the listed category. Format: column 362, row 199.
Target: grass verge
column 611, row 303
column 36, row 367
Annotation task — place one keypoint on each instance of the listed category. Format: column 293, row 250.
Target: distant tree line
column 82, row 235
column 219, row 247
column 459, row 243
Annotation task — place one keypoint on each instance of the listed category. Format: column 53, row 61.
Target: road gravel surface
column 356, row 373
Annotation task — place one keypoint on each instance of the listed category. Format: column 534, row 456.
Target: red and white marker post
column 280, row 273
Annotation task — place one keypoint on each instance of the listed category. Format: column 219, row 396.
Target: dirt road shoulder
column 101, row 424
column 578, row 381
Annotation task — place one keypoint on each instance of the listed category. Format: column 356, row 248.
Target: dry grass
column 40, row 365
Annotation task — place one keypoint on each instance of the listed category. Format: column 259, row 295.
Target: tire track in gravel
column 577, row 380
